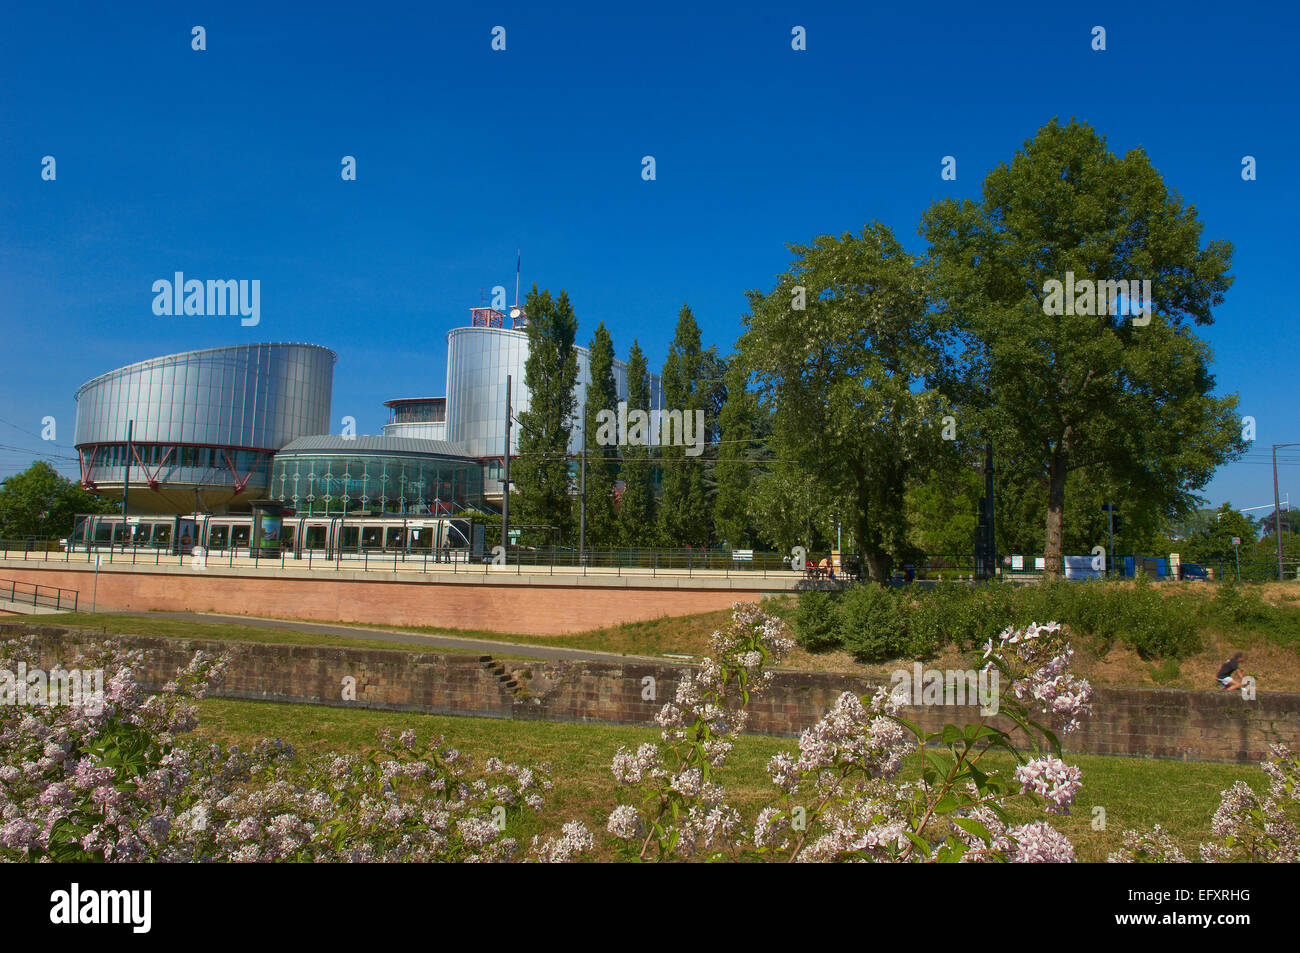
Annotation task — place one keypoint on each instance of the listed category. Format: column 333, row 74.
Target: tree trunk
column 1053, row 551
column 877, row 566
column 876, row 560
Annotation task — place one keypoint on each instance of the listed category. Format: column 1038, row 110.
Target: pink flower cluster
column 1036, row 659
column 1052, row 779
column 852, row 735
column 1154, row 847
column 114, row 783
column 1040, row 843
column 1260, row 827
column 688, row 812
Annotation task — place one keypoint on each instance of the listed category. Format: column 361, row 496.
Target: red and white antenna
column 517, row 317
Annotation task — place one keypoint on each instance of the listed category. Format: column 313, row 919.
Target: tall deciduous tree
column 602, row 464
column 1076, row 385
column 542, row 472
column 1214, row 543
column 684, row 507
column 636, row 512
column 841, row 348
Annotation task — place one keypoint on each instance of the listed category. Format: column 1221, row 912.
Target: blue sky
column 225, row 164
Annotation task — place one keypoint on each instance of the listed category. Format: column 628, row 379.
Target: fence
column 654, row 562
column 745, row 563
column 33, row 595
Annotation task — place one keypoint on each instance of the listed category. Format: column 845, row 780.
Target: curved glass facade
column 334, row 476
column 204, row 422
column 253, row 396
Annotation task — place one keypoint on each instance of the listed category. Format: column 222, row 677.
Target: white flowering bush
column 680, row 811
column 126, row 781
column 1249, row 827
column 1260, row 828
column 117, row 782
column 841, row 797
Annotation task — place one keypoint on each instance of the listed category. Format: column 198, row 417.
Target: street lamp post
column 505, row 480
column 582, row 491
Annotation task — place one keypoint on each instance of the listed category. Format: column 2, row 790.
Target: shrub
column 929, row 625
column 873, row 624
column 816, row 621
column 1233, row 606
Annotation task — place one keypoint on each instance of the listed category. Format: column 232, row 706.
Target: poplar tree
column 542, row 472
column 636, row 513
column 738, row 455
column 602, row 461
column 684, row 508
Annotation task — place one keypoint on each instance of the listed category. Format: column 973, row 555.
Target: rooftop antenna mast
column 517, row 317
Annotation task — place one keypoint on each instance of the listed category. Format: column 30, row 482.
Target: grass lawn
column 1135, row 793
column 148, row 624
column 1276, row 666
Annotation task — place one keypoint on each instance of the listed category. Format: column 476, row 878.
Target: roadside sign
column 1236, row 540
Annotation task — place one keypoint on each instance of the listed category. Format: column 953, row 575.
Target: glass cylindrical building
column 478, row 361
column 334, row 475
column 203, row 424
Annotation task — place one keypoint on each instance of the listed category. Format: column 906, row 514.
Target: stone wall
column 1141, row 722
column 503, row 602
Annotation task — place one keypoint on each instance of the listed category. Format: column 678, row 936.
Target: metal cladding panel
column 257, row 395
column 478, row 361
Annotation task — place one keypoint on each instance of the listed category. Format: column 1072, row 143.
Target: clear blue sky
column 225, row 164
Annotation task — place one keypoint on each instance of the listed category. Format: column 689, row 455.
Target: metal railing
column 654, row 562
column 29, row 594
column 714, row 563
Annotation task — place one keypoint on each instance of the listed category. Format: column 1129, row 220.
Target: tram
column 325, row 537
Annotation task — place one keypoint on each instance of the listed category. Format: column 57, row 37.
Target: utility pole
column 986, row 556
column 126, row 483
column 505, row 481
column 988, row 488
column 582, row 490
